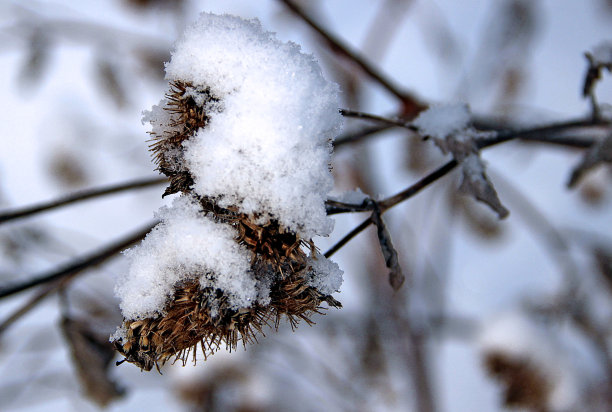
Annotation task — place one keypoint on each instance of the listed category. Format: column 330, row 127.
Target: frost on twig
column 600, row 152
column 449, row 127
column 245, row 136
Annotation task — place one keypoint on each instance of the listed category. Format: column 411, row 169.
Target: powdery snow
column 186, row 245
column 267, row 147
column 266, row 150
column 442, row 121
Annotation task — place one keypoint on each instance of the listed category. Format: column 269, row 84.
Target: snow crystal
column 268, row 150
column 440, row 122
column 185, row 245
column 324, row 275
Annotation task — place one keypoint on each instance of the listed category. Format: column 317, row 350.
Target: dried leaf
column 600, row 152
column 92, row 353
column 109, row 80
column 476, row 183
column 396, row 277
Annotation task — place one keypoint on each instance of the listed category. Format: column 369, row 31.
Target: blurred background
column 493, row 314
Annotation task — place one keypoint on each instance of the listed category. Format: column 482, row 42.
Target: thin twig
column 79, row 264
column 79, row 196
column 28, row 306
column 379, row 119
column 356, row 136
column 411, row 104
column 394, row 200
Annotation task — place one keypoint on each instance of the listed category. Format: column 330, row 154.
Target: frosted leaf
column 476, row 183
column 600, row 152
column 449, row 126
column 267, row 151
column 184, row 246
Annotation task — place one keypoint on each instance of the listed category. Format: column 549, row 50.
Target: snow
column 186, row 245
column 442, row 121
column 267, row 147
column 355, row 196
column 324, row 275
column 602, row 54
column 265, row 152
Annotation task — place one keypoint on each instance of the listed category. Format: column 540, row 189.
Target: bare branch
column 79, row 264
column 379, row 119
column 411, row 104
column 79, row 196
column 394, row 200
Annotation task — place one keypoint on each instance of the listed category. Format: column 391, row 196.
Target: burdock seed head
column 244, row 134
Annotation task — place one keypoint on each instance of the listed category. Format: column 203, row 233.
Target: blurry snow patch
column 602, row 54
column 324, row 275
column 185, row 245
column 353, row 197
column 444, row 120
column 535, row 364
column 268, row 150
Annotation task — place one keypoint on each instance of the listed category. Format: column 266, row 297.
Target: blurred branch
column 5, row 216
column 79, row 264
column 357, row 136
column 411, row 104
column 380, row 119
column 555, row 133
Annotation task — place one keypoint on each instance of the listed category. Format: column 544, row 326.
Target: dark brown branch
column 411, row 105
column 418, row 186
column 394, row 200
column 356, row 136
column 556, row 133
column 79, row 264
column 380, row 119
column 29, row 305
column 18, row 213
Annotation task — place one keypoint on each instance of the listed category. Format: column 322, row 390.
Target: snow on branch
column 449, row 127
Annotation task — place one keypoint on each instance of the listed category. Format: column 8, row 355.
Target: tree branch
column 391, row 201
column 18, row 213
column 79, row 264
column 411, row 104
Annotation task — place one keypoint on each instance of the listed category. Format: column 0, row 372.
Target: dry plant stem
column 380, row 119
column 336, row 45
column 79, row 264
column 543, row 134
column 354, row 137
column 388, row 203
column 27, row 306
column 80, row 196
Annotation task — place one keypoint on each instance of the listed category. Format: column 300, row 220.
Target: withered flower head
column 244, row 136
